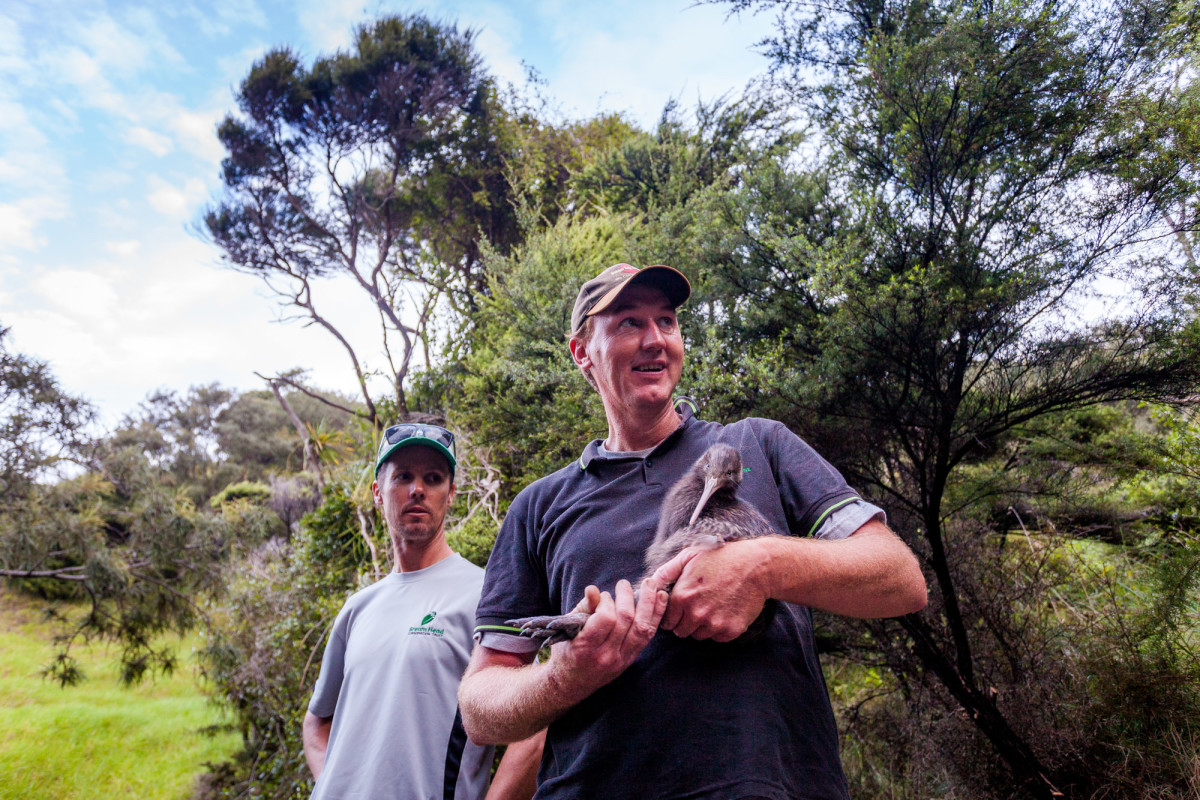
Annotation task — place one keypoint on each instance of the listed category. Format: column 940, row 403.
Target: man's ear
column 376, row 494
column 579, row 353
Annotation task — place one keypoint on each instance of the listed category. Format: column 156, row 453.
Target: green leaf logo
column 429, row 618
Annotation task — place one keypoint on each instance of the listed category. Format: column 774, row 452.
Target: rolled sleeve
column 846, row 520
column 507, row 642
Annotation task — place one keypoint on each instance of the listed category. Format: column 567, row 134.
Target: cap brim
column 670, row 280
column 415, row 440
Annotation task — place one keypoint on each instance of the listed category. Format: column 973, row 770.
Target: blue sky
column 108, row 154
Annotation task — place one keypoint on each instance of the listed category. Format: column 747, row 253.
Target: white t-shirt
column 389, row 679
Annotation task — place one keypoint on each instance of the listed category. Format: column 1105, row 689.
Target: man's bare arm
column 504, row 697
column 315, row 733
column 516, row 777
column 718, row 593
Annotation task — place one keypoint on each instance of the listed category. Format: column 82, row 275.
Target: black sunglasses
column 419, row 430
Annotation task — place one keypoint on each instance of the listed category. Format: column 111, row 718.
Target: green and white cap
column 407, row 434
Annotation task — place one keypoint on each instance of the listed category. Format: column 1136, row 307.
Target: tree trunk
column 312, row 461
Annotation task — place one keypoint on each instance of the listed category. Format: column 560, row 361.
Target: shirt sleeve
column 514, row 584
column 507, row 642
column 810, row 488
column 846, row 519
column 329, row 682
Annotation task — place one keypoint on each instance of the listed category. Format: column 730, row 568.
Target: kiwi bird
column 701, row 509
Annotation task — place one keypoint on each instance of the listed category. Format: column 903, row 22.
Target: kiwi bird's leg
column 710, row 486
column 551, row 629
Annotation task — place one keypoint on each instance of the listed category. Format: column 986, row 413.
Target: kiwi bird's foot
column 551, row 629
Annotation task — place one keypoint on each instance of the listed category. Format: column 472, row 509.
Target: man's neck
column 641, row 432
column 411, row 557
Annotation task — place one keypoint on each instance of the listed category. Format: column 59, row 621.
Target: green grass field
column 97, row 739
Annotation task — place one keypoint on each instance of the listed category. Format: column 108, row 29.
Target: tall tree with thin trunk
column 379, row 165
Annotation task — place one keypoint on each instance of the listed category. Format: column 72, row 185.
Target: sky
column 108, row 156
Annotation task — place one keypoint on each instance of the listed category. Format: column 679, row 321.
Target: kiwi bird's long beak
column 710, row 486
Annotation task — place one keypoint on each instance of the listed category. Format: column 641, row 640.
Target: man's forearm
column 504, row 701
column 315, row 734
column 503, row 697
column 718, row 593
column 870, row 574
column 516, row 777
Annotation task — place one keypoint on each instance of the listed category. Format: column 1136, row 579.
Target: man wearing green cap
column 383, row 721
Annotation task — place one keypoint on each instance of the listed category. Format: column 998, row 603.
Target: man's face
column 635, row 353
column 414, row 489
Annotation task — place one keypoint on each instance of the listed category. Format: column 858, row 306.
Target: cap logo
column 625, row 268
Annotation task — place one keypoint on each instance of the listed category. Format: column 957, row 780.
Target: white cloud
column 224, row 17
column 12, row 47
column 156, row 143
column 330, row 23
column 178, row 202
column 63, row 110
column 498, row 33
column 197, row 132
column 161, row 315
column 16, row 227
column 126, row 249
column 19, row 220
column 124, row 47
column 79, row 295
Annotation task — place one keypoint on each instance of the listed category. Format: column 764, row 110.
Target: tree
column 632, row 196
column 177, row 433
column 977, row 187
column 110, row 532
column 381, row 165
column 41, row 426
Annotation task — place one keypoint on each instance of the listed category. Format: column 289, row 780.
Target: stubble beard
column 417, row 533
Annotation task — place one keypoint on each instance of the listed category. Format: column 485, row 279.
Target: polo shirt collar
column 685, row 406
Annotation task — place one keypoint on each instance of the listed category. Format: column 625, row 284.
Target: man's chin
column 417, row 532
column 654, row 395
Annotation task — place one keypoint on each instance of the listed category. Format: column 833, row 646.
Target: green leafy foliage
column 40, row 425
column 518, row 360
column 242, row 490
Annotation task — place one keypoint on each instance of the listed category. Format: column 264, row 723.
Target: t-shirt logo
column 424, row 628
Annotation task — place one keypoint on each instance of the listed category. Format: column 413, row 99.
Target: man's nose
column 653, row 338
column 417, row 489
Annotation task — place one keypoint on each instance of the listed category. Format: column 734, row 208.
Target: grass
column 97, row 739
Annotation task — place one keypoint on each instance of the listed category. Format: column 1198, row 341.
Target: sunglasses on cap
column 411, row 433
column 419, row 430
